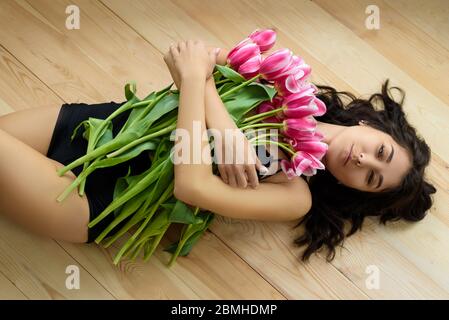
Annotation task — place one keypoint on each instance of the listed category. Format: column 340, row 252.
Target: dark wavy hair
column 334, row 205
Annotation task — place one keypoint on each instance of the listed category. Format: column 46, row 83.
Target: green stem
column 130, row 241
column 161, row 125
column 154, row 243
column 142, row 103
column 142, row 139
column 265, row 135
column 93, row 141
column 281, row 145
column 263, row 125
column 262, row 115
column 81, row 177
column 114, row 144
column 243, row 84
column 182, row 241
column 126, row 196
column 222, row 81
column 143, row 114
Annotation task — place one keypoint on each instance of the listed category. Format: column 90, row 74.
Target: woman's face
column 366, row 159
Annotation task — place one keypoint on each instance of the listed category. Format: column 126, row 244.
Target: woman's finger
column 231, row 176
column 252, row 175
column 240, row 176
column 223, row 173
column 174, row 50
column 181, row 46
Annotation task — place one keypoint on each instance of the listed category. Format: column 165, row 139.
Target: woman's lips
column 349, row 155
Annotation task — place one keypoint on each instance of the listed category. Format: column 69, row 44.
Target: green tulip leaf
column 84, row 124
column 270, row 90
column 231, row 74
column 130, row 90
column 182, row 213
column 225, row 87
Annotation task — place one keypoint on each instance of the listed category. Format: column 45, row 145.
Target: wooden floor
column 43, row 63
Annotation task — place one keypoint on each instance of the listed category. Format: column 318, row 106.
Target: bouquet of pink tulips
column 273, row 89
column 294, row 106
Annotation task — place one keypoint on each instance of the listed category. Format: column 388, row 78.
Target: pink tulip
column 316, row 148
column 276, row 63
column 289, row 85
column 295, row 167
column 250, row 68
column 300, row 127
column 303, row 103
column 316, row 136
column 265, row 38
column 316, row 163
column 297, row 67
column 301, row 163
column 244, row 51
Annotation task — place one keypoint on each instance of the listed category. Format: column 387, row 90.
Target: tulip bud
column 265, row 39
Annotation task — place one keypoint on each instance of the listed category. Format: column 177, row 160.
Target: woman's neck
column 329, row 131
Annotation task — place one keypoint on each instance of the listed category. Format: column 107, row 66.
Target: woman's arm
column 195, row 183
column 191, row 114
column 218, row 118
column 216, row 114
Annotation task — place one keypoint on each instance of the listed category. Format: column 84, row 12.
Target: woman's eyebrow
column 391, row 154
column 381, row 177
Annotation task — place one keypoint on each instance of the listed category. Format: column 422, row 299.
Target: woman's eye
column 370, row 178
column 381, row 150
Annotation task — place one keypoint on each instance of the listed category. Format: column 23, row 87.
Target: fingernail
column 217, row 50
column 263, row 170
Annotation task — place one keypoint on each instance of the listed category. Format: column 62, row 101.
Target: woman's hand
column 192, row 58
column 169, row 61
column 239, row 173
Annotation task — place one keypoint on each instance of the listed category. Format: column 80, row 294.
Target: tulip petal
column 265, row 39
column 276, row 62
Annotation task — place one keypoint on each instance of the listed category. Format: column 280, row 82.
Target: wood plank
column 423, row 58
column 403, row 274
column 171, row 18
column 19, row 88
column 9, row 290
column 54, row 58
column 211, row 271
column 37, row 266
column 429, row 16
column 268, row 247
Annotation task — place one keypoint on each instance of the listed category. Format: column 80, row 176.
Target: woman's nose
column 363, row 160
column 360, row 160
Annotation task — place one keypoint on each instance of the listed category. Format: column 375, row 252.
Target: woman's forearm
column 217, row 115
column 196, row 165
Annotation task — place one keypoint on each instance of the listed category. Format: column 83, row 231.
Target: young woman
column 374, row 165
